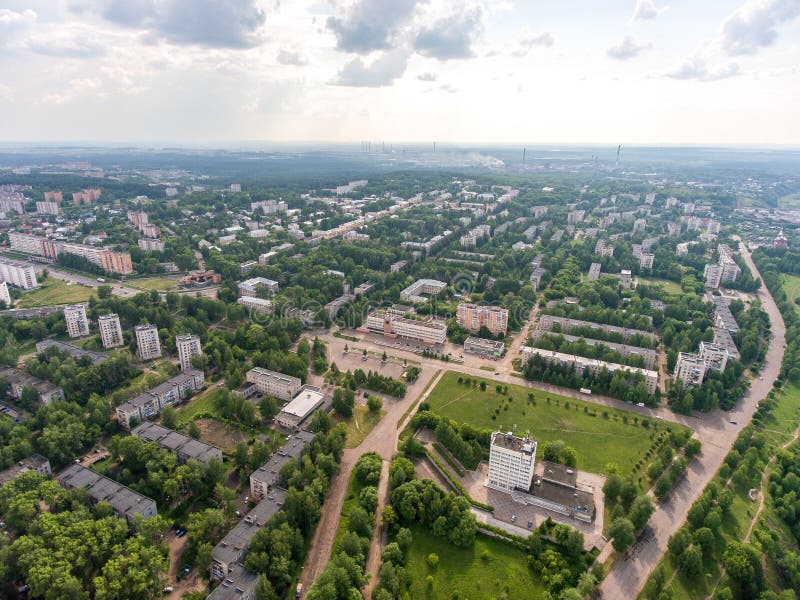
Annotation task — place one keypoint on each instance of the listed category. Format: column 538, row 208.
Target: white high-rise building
column 77, row 323
column 147, row 341
column 188, row 345
column 690, row 369
column 110, row 331
column 5, row 296
column 511, row 462
column 18, row 274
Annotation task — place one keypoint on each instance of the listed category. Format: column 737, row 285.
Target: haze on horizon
column 480, row 71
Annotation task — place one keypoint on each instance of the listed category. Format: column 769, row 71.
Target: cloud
column 67, row 42
column 210, row 23
column 628, row 48
column 451, row 37
column 370, row 25
column 543, row 39
column 427, row 77
column 448, row 88
column 12, row 22
column 646, row 10
column 380, row 72
column 696, row 67
column 291, row 57
column 754, row 25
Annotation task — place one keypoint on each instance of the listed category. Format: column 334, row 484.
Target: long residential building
column 413, row 293
column 18, row 380
column 34, row 462
column 250, row 287
column 565, row 324
column 125, row 502
column 648, row 355
column 594, row 366
column 183, row 446
column 473, row 317
column 268, row 475
column 18, row 274
column 272, row 383
column 76, row 352
column 5, row 295
column 108, row 260
column 149, row 404
column 386, row 322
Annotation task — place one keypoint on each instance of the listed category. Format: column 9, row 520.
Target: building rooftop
column 234, row 586
column 174, row 441
column 293, row 448
column 560, row 474
column 509, row 441
column 124, row 500
column 306, row 400
column 30, row 463
column 72, row 350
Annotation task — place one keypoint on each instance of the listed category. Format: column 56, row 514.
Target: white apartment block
column 5, row 296
column 77, row 323
column 413, row 293
column 625, row 279
column 593, row 365
column 47, row 208
column 713, row 276
column 151, row 244
column 594, row 272
column 690, row 369
column 284, row 387
column 110, row 331
column 386, row 323
column 730, row 270
column 188, row 345
column 250, row 287
column 646, row 260
column 147, row 342
column 511, row 462
column 18, row 274
column 714, row 356
column 472, row 317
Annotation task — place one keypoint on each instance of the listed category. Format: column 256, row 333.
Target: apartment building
column 536, row 278
column 47, row 208
column 34, row 462
column 397, row 266
column 648, row 355
column 601, row 248
column 148, row 344
column 123, row 500
column 594, row 366
column 646, row 260
column 18, row 380
column 18, row 274
column 76, row 352
column 690, row 369
column 184, row 447
column 713, row 276
column 238, row 584
column 413, row 293
column 730, row 270
column 57, row 197
column 473, row 317
column 511, row 462
column 250, row 287
column 5, row 295
column 715, row 357
column 77, row 322
column 723, row 317
column 149, row 404
column 138, row 218
column 151, row 244
column 386, row 322
column 110, row 331
column 114, row 262
column 86, row 196
column 187, row 345
column 268, row 475
column 594, row 272
column 565, row 324
column 722, row 338
column 284, row 387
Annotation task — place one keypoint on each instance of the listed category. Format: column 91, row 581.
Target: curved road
column 627, row 577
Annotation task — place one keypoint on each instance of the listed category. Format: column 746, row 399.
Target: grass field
column 162, row 284
column 359, row 426
column 670, row 287
column 597, row 440
column 789, row 201
column 488, row 569
column 202, row 403
column 220, row 434
column 55, row 291
column 791, row 285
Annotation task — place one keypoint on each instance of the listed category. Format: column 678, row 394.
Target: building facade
column 274, row 384
column 77, row 322
column 187, row 345
column 690, row 369
column 148, row 344
column 511, row 462
column 110, row 331
column 18, row 274
column 473, row 317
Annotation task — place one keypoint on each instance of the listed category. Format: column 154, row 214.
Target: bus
column 586, row 391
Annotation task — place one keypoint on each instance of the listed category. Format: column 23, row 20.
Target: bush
column 374, row 404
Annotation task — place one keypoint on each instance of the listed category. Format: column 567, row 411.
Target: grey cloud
column 647, row 10
column 291, row 57
column 628, row 48
column 543, row 39
column 427, row 77
column 380, row 72
column 754, row 25
column 696, row 67
column 451, row 37
column 448, row 88
column 371, row 24
column 211, row 23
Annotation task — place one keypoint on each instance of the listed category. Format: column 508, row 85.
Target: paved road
column 627, row 577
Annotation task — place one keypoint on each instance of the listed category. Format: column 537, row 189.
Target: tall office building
column 511, row 462
column 188, row 345
column 147, row 342
column 110, row 331
column 77, row 323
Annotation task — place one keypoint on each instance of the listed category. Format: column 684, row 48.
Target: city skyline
column 457, row 71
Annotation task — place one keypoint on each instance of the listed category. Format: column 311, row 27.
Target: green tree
column 374, row 404
column 168, row 418
column 621, row 532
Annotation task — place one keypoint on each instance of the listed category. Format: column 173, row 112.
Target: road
column 627, row 577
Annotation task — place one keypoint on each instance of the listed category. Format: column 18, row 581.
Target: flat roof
column 306, row 400
column 560, row 474
column 509, row 441
column 563, row 495
column 29, row 463
column 175, row 441
column 100, row 488
column 484, row 343
column 238, row 581
column 293, row 448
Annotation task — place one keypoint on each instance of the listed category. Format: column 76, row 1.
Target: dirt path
column 379, row 535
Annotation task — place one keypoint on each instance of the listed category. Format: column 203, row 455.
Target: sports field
column 598, row 434
column 55, row 291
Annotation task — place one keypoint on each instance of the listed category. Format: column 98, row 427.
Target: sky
column 455, row 71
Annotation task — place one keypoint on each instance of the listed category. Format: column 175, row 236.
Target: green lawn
column 359, row 425
column 597, row 440
column 487, row 570
column 162, row 284
column 203, row 403
column 670, row 287
column 55, row 291
column 791, row 285
column 783, row 419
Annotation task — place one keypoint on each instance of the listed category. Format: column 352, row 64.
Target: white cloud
column 382, row 71
column 647, row 10
column 291, row 57
column 628, row 48
column 754, row 25
column 696, row 67
column 371, row 24
column 427, row 77
column 452, row 36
